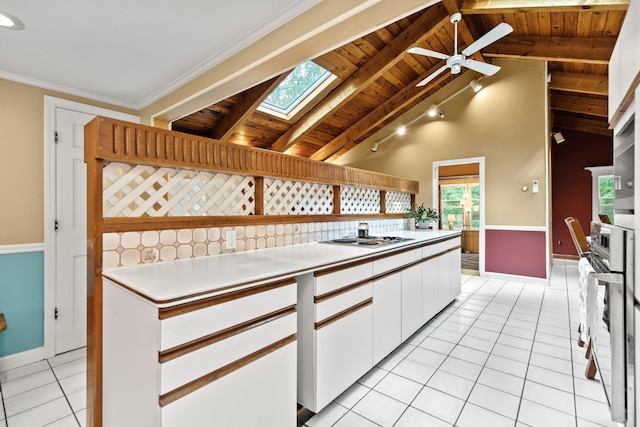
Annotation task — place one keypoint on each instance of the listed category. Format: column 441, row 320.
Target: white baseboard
column 516, row 278
column 20, row 359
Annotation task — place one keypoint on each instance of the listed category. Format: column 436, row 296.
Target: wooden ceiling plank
column 252, row 98
column 472, row 7
column 581, row 124
column 384, row 111
column 579, row 104
column 562, row 49
column 580, row 83
column 420, row 30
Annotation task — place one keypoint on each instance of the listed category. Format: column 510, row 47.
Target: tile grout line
column 63, row 393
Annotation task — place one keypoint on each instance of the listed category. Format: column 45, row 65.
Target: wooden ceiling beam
column 560, row 49
column 580, row 83
column 419, row 30
column 581, row 124
column 482, row 7
column 380, row 114
column 251, row 100
column 579, row 104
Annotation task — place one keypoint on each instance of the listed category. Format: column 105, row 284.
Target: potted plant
column 432, row 217
column 423, row 216
column 418, row 214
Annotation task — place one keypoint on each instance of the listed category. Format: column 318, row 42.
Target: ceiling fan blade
column 432, row 76
column 481, row 67
column 427, row 52
column 497, row 33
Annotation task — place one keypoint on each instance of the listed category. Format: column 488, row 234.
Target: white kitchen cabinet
column 430, row 292
column 444, row 280
column 387, row 315
column 411, row 300
column 201, row 360
column 624, row 65
column 456, row 273
column 335, row 331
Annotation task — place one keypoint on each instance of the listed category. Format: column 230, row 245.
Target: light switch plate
column 535, row 186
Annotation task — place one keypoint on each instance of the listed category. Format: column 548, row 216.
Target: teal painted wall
column 22, row 301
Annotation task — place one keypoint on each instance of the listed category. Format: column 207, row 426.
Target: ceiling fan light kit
column 456, row 61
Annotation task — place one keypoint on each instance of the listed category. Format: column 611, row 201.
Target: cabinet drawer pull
column 343, row 313
column 319, row 298
column 165, row 313
column 181, row 350
column 195, row 385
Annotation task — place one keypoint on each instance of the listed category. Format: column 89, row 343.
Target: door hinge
column 55, row 225
column 55, row 137
column 55, row 314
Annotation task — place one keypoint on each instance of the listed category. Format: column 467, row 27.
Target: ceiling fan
column 458, row 60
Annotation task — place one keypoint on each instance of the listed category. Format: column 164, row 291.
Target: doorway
column 458, row 191
column 65, row 222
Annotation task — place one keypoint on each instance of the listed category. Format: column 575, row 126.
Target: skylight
column 293, row 90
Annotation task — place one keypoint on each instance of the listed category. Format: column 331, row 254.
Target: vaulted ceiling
column 377, row 77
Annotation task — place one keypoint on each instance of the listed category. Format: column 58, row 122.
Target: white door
column 71, row 241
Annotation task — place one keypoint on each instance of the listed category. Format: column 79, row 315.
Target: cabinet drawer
column 223, row 311
column 395, row 261
column 203, row 359
column 330, row 280
column 328, row 307
column 437, row 248
column 344, row 354
column 261, row 393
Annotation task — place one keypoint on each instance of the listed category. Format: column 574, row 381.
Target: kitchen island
column 247, row 335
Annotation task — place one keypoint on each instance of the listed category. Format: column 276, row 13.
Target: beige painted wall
column 506, row 123
column 22, row 160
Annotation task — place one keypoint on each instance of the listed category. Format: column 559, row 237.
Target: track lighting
column 475, row 85
column 433, row 110
column 401, row 130
column 374, row 148
column 558, row 137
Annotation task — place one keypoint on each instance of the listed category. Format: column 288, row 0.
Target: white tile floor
column 47, row 393
column 503, row 354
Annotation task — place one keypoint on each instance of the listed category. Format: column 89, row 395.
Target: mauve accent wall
column 571, row 183
column 518, row 252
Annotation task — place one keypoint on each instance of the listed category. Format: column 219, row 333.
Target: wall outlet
column 230, row 239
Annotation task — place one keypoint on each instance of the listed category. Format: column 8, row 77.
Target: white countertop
column 170, row 281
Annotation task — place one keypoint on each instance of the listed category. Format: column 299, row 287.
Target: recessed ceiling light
column 10, row 22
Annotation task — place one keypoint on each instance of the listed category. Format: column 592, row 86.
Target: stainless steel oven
column 612, row 259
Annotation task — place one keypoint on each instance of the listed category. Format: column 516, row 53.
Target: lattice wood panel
column 397, row 202
column 355, row 200
column 297, row 198
column 136, row 190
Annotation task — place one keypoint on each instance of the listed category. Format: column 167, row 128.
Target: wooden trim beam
column 579, row 104
column 581, row 124
column 251, row 100
column 391, row 54
column 482, row 7
column 588, row 50
column 132, row 143
column 580, row 83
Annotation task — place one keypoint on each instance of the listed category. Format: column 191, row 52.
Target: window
column 463, row 202
column 601, row 191
column 296, row 88
column 605, row 195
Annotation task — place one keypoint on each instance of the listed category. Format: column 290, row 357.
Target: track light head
column 558, row 137
column 374, row 148
column 475, row 85
column 433, row 110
